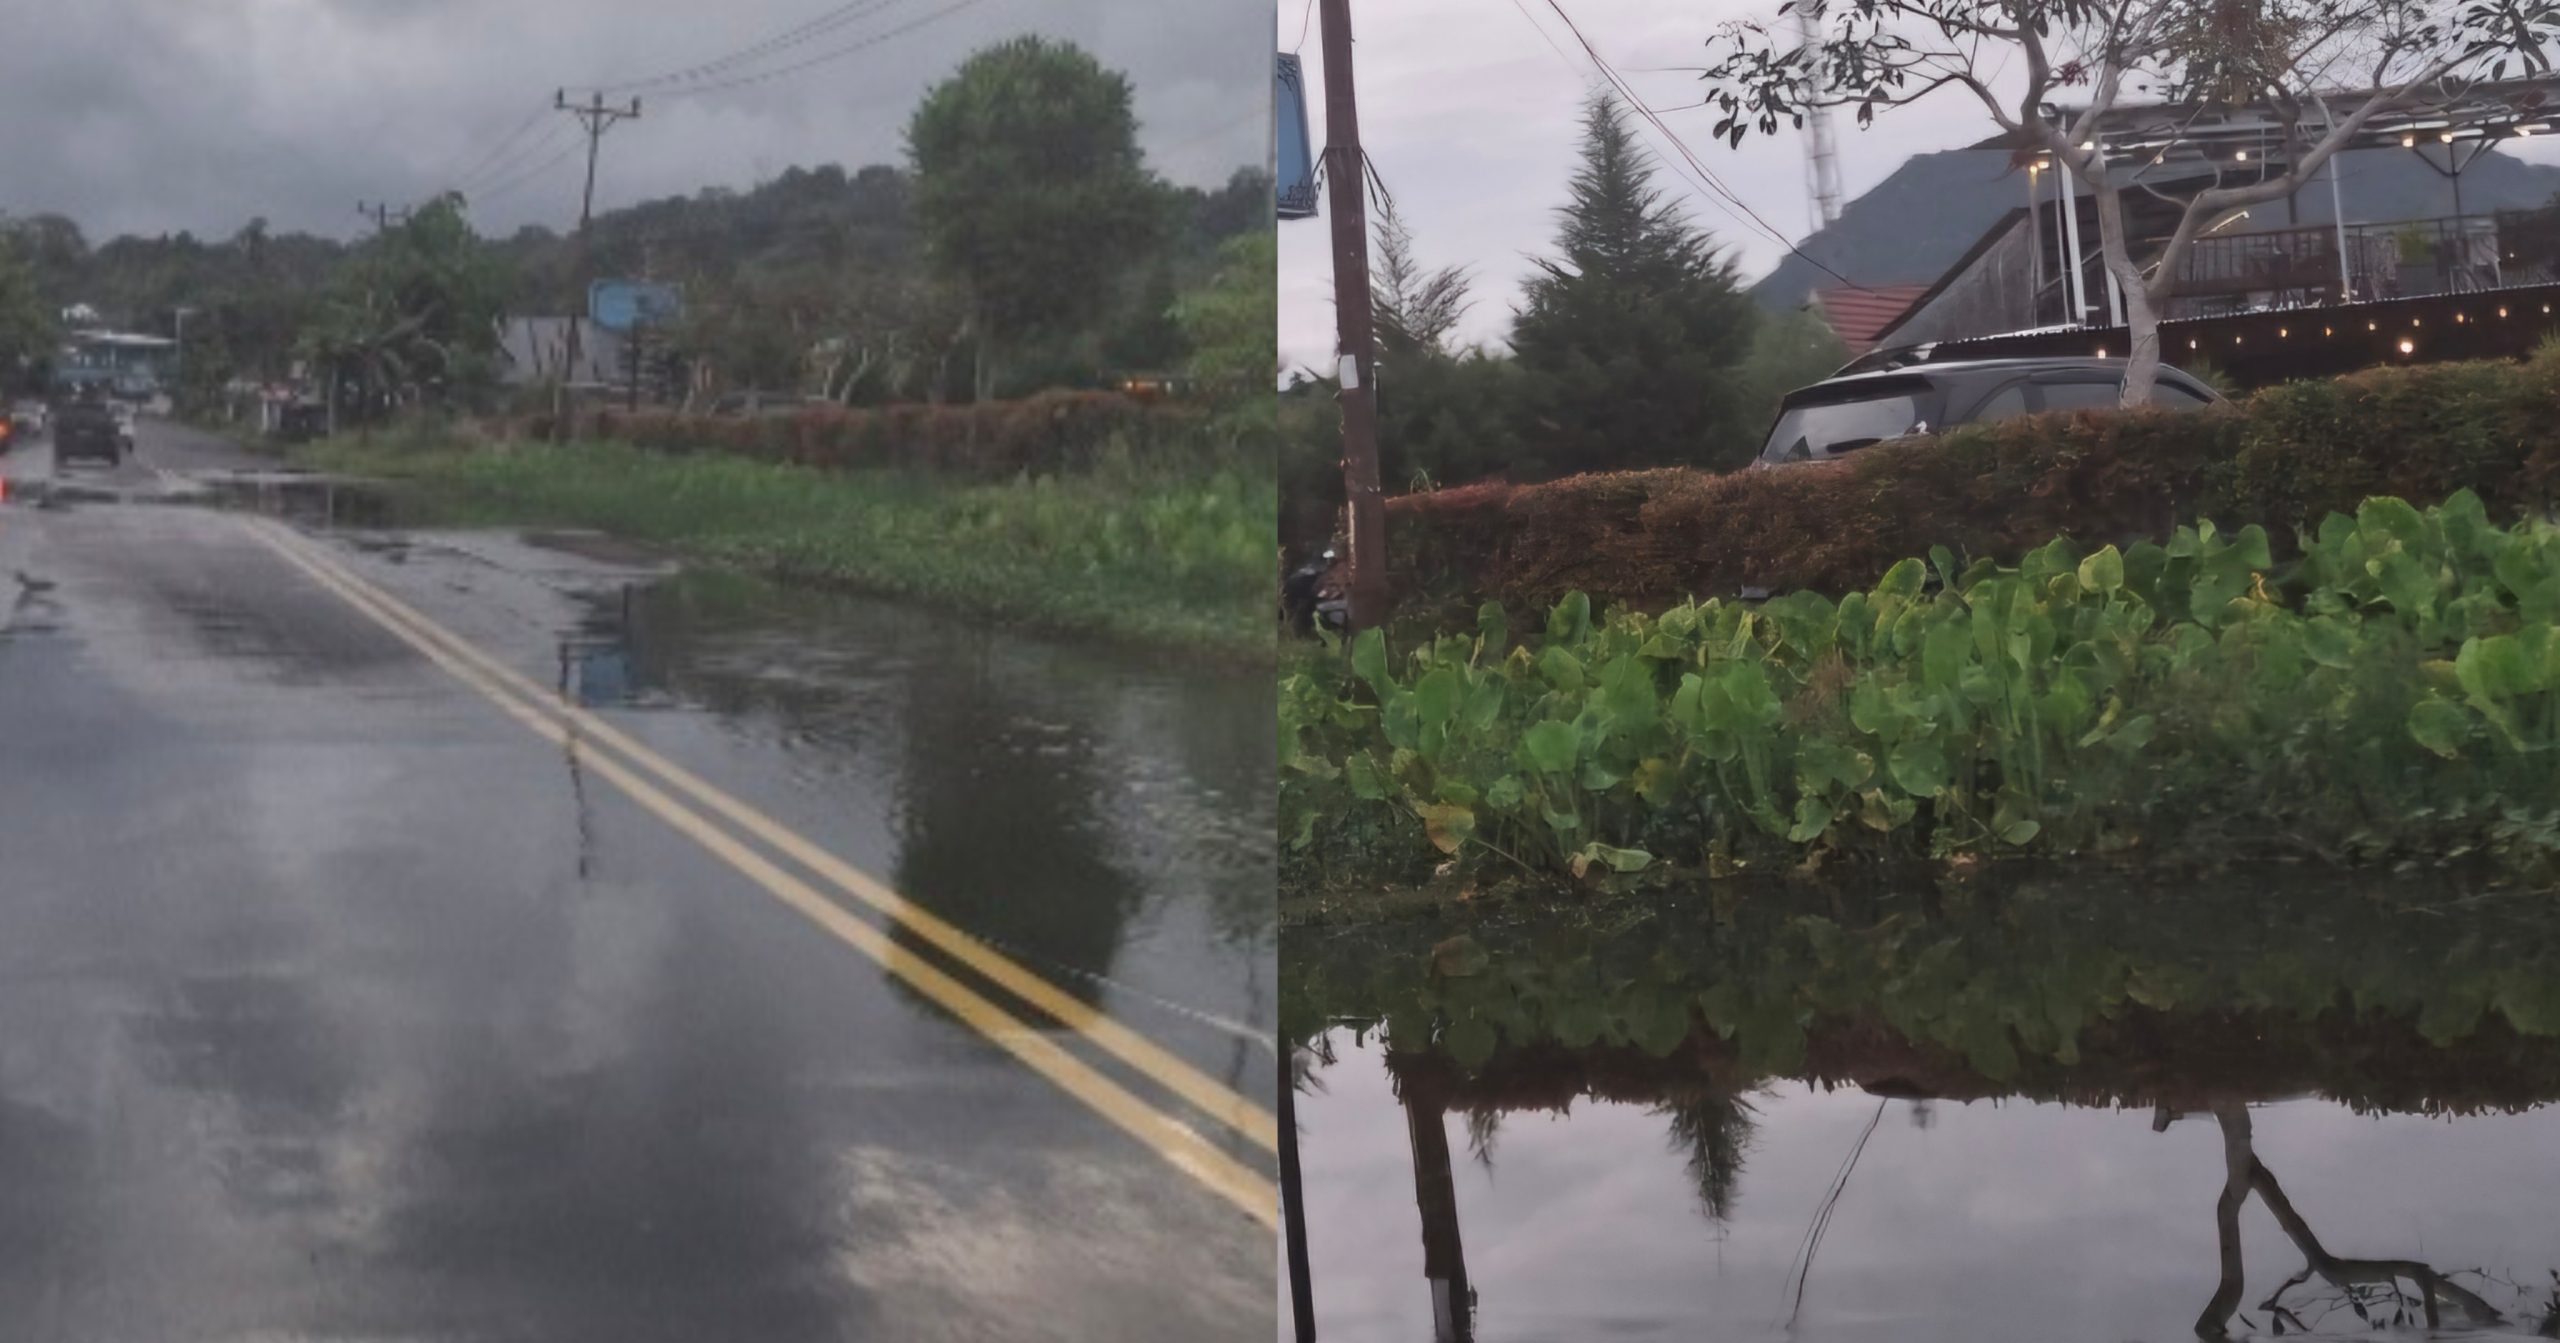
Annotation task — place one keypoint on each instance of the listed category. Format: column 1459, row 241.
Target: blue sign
column 1297, row 161
column 620, row 305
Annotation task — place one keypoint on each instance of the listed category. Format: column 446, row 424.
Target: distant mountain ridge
column 1920, row 219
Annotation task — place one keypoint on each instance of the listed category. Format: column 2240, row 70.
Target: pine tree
column 1631, row 339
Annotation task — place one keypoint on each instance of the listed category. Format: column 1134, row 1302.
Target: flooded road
column 2064, row 1110
column 479, row 936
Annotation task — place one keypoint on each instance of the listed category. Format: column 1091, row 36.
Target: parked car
column 1846, row 412
column 26, row 422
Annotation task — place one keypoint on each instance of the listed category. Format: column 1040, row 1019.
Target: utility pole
column 382, row 213
column 597, row 118
column 1346, row 170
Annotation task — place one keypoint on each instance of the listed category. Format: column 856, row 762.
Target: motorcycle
column 1309, row 596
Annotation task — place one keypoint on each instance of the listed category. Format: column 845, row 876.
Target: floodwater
column 2057, row 1111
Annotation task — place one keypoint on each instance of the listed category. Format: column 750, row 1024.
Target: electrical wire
column 496, row 149
column 1721, row 196
column 778, row 43
column 560, row 136
column 837, row 53
column 537, row 170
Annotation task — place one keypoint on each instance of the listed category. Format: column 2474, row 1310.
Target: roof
column 1858, row 315
column 124, row 338
column 2484, row 112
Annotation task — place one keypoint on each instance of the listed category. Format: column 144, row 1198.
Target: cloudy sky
column 1469, row 108
column 159, row 115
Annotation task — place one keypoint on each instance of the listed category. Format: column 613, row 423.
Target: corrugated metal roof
column 1856, row 316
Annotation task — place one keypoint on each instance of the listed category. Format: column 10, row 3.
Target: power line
column 778, row 43
column 1723, row 197
column 511, row 172
column 496, row 148
column 568, row 146
column 823, row 58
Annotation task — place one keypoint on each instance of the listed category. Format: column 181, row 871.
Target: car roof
column 1969, row 370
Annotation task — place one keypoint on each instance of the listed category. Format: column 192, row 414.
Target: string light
column 2235, row 340
column 2458, row 317
column 2240, row 157
column 2371, row 327
column 2326, row 331
column 2408, row 142
column 2282, row 334
column 2413, row 321
column 2447, row 137
column 2408, row 346
column 2502, row 312
column 2191, row 343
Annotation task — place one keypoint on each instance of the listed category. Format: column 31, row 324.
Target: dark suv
column 1844, row 413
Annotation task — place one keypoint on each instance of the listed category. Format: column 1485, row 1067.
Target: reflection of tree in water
column 1715, row 1131
column 2395, row 1292
column 1001, row 817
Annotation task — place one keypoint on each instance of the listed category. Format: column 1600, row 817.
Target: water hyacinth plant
column 2394, row 692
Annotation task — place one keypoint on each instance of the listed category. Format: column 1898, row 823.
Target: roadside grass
column 1171, row 556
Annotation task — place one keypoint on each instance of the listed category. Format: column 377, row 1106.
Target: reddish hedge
column 1045, row 432
column 2283, row 458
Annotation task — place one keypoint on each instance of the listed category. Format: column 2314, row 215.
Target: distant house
column 534, row 351
column 131, row 364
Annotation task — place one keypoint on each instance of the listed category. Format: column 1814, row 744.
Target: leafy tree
column 2278, row 54
column 1788, row 351
column 1029, row 190
column 1415, row 310
column 1233, row 327
column 413, row 316
column 1630, row 338
column 26, row 325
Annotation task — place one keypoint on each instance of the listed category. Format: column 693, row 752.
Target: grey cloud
column 160, row 115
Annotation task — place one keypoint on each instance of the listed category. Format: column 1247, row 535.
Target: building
column 123, row 362
column 2421, row 242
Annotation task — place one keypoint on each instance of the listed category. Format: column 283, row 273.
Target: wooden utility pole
column 382, row 213
column 597, row 118
column 1346, row 175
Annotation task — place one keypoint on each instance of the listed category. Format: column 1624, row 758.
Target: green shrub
column 2282, row 459
column 1046, row 433
column 2395, row 692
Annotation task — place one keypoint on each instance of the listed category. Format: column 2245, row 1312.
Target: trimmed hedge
column 1047, row 432
column 2284, row 458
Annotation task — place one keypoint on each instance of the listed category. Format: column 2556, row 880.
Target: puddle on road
column 2053, row 1112
column 1104, row 818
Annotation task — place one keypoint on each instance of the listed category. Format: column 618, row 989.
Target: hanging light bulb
column 2326, row 331
column 2502, row 312
column 2408, row 346
column 2447, row 137
column 2408, row 142
column 2282, row 334
column 2240, row 157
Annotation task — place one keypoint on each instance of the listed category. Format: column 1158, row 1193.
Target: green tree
column 1414, row 309
column 1630, row 338
column 412, row 317
column 26, row 325
column 1029, row 191
column 1233, row 327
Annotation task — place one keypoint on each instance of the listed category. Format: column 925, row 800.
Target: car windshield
column 1805, row 433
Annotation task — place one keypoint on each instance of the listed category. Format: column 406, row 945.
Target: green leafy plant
column 2393, row 692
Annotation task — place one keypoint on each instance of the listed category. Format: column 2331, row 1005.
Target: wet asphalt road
column 336, row 1004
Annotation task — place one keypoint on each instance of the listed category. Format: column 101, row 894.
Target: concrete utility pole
column 597, row 118
column 1354, row 338
column 382, row 213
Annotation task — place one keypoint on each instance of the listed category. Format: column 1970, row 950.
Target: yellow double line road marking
column 565, row 724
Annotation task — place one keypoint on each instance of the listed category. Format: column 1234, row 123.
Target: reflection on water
column 2057, row 1111
column 1105, row 820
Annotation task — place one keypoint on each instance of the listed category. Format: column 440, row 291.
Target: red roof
column 1857, row 315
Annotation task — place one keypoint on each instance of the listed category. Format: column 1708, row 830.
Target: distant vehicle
column 87, row 428
column 1844, row 413
column 26, row 422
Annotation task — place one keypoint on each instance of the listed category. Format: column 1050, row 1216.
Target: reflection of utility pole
column 598, row 119
column 2243, row 1175
column 1444, row 1258
column 1293, row 1204
column 1347, row 168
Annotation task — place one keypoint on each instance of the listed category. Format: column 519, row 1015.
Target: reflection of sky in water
column 1991, row 1220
